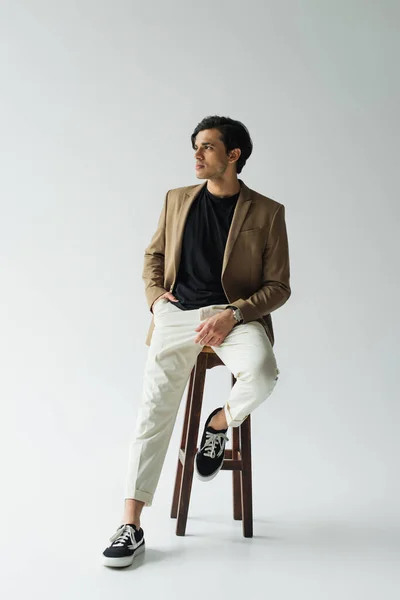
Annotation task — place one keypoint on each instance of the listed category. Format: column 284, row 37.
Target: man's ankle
column 134, row 522
column 218, row 422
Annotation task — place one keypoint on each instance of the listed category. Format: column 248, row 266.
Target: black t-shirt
column 198, row 282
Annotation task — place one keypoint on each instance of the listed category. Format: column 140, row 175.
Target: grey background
column 98, row 101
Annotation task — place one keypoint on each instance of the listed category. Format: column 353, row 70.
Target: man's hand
column 167, row 295
column 214, row 330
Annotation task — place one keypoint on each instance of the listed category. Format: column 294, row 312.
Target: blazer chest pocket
column 250, row 237
column 246, row 231
column 248, row 253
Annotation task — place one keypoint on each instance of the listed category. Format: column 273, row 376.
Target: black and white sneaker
column 127, row 542
column 210, row 456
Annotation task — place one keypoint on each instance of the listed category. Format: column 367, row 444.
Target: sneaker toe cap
column 206, row 466
column 116, row 552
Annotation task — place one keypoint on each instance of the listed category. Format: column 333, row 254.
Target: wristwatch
column 237, row 313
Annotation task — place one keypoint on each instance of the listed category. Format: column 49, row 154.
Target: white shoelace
column 212, row 439
column 122, row 535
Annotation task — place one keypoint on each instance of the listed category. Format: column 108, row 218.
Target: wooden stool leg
column 246, row 478
column 179, row 469
column 237, row 494
column 236, row 487
column 191, row 442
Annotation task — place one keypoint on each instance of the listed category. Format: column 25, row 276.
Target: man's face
column 212, row 161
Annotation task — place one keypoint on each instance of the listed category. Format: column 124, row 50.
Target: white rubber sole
column 208, row 477
column 124, row 561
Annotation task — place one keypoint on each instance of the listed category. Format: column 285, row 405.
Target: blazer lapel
column 240, row 212
column 241, row 209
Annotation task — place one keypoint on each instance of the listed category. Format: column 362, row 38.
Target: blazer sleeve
column 275, row 290
column 153, row 268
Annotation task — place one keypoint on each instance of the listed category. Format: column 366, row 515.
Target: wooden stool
column 237, row 460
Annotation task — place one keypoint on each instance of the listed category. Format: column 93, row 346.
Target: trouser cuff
column 232, row 422
column 139, row 495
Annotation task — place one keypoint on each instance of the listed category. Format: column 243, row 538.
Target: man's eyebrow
column 206, row 143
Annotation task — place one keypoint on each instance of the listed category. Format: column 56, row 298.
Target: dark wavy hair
column 233, row 134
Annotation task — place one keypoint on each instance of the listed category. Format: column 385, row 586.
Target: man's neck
column 223, row 189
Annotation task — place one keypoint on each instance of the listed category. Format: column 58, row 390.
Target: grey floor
column 54, row 549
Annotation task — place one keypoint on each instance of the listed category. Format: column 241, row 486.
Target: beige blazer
column 255, row 271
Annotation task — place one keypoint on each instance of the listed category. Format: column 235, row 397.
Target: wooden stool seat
column 237, row 459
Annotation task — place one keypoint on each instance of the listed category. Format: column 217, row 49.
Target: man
column 216, row 267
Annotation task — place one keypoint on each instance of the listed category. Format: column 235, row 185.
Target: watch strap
column 237, row 311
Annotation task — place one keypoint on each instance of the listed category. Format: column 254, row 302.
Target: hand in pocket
column 167, row 296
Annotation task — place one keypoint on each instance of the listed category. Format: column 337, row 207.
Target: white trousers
column 246, row 352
